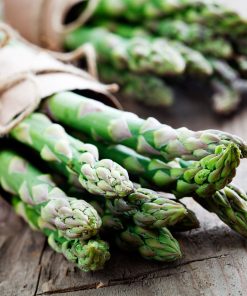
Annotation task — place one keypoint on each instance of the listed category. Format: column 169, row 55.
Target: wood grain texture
column 214, row 256
column 20, row 253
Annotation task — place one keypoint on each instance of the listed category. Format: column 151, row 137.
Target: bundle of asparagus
column 72, row 225
column 189, row 28
column 145, row 46
column 148, row 137
column 107, row 204
column 197, row 30
column 229, row 203
column 137, row 217
column 203, row 175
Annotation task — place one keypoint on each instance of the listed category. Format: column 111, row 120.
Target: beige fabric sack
column 42, row 21
column 28, row 75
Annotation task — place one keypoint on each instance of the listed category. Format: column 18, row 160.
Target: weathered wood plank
column 20, row 254
column 219, row 276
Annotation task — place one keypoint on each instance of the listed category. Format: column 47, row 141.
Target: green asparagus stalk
column 228, row 87
column 188, row 223
column 148, row 137
column 102, row 177
column 139, row 54
column 197, row 36
column 230, row 205
column 136, row 10
column 226, row 98
column 73, row 218
column 195, row 62
column 87, row 255
column 148, row 209
column 114, row 220
column 202, row 178
column 242, row 64
column 156, row 91
column 211, row 13
column 224, row 70
column 214, row 15
column 157, row 245
column 144, row 9
column 230, row 75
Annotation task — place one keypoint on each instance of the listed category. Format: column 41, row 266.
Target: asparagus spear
column 228, row 87
column 148, row 209
column 209, row 12
column 144, row 9
column 114, row 220
column 73, row 218
column 87, row 255
column 241, row 62
column 197, row 36
column 136, row 10
column 148, row 137
column 202, row 178
column 139, row 54
column 230, row 205
column 195, row 62
column 226, row 99
column 214, row 15
column 156, row 245
column 102, row 177
column 188, row 223
column 156, row 91
column 224, row 70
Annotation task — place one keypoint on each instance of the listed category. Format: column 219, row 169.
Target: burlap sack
column 28, row 75
column 42, row 21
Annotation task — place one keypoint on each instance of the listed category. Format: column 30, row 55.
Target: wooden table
column 214, row 261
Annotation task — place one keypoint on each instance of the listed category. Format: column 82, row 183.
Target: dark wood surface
column 214, row 261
